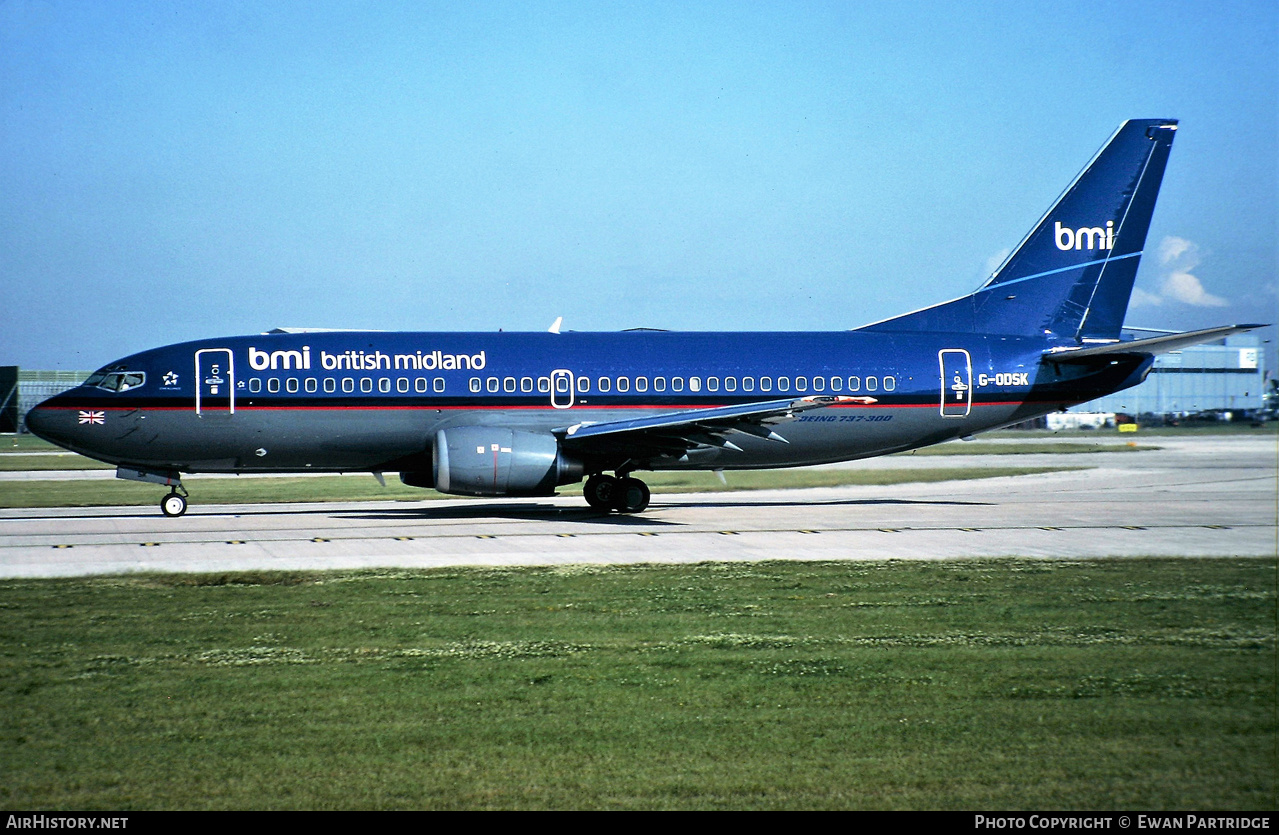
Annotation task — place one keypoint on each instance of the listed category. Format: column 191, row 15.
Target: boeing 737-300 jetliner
column 518, row 414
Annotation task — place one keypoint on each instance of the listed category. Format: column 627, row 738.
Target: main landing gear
column 625, row 495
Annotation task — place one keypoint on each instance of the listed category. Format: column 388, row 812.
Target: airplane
column 520, row 414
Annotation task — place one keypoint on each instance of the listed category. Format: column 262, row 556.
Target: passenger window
column 348, row 385
column 854, row 383
column 871, row 384
column 526, row 384
column 836, row 383
column 605, row 383
column 255, row 385
column 730, row 384
column 748, row 384
column 476, row 385
column 562, row 384
column 310, row 384
column 273, row 385
column 623, row 384
column 712, row 383
column 583, row 384
column 544, row 385
column 384, row 384
column 330, row 385
column 801, row 384
column 677, row 384
column 366, row 384
column 492, row 384
column 438, row 383
column 291, row 385
column 765, row 383
column 819, row 384
column 402, row 385
column 641, row 384
column 659, row 384
column 419, row 385
column 890, row 383
column 508, row 384
column 694, row 383
column 783, row 383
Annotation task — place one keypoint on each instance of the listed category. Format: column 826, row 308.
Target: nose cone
column 49, row 422
column 39, row 422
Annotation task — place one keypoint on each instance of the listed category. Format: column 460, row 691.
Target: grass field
column 1029, row 447
column 107, row 493
column 50, row 457
column 50, row 461
column 995, row 684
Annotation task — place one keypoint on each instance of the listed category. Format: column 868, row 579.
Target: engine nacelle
column 494, row 461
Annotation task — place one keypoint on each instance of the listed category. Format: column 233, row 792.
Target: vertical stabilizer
column 1072, row 276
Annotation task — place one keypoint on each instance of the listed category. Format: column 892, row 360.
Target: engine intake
column 493, row 461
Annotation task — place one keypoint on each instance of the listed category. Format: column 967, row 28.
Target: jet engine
column 494, row 461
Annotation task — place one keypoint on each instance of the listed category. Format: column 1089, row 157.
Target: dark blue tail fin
column 1071, row 277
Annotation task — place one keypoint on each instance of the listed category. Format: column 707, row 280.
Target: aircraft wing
column 1153, row 345
column 676, row 433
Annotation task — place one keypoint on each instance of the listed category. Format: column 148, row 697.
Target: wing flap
column 675, row 433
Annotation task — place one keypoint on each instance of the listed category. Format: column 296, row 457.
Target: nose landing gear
column 174, row 504
column 624, row 495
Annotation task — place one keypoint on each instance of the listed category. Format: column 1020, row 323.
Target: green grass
column 1187, row 429
column 25, row 443
column 91, row 493
column 59, row 459
column 1044, row 447
column 993, row 684
column 50, row 461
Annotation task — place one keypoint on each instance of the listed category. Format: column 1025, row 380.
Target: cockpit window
column 117, row 380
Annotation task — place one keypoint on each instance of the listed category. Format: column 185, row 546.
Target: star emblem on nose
column 170, row 379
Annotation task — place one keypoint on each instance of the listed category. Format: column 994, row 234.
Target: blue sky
column 179, row 170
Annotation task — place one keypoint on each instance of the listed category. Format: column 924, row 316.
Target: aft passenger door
column 214, row 382
column 956, row 382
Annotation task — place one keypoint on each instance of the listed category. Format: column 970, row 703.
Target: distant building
column 1220, row 377
column 21, row 389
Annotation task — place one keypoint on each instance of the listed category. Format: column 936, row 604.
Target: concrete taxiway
column 1196, row 496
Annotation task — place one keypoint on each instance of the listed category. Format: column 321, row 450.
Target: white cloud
column 1172, row 248
column 1177, row 258
column 1187, row 289
column 1140, row 298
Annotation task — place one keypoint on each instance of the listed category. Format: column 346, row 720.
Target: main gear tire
column 600, row 491
column 632, row 496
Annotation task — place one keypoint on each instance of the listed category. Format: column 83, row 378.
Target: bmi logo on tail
column 1085, row 237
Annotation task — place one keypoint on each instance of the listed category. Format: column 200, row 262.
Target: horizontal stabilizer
column 1153, row 345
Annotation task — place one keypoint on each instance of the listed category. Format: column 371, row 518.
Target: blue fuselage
column 350, row 401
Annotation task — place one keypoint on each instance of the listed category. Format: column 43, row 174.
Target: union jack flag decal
column 93, row 417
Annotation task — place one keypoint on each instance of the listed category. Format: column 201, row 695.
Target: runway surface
column 1196, row 496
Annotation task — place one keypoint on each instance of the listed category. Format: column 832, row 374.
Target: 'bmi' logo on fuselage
column 1085, row 237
